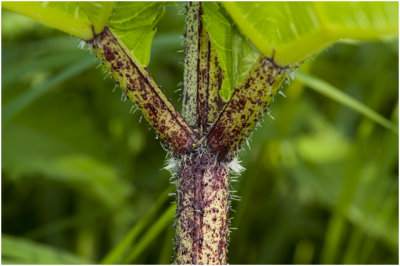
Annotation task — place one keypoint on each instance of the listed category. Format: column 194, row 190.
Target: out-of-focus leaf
column 52, row 228
column 72, row 160
column 30, row 152
column 29, row 50
column 18, row 104
column 162, row 222
column 342, row 98
column 23, row 251
column 166, row 41
column 291, row 32
column 117, row 253
column 15, row 72
column 323, row 146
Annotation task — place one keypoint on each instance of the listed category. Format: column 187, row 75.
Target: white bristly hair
column 235, row 167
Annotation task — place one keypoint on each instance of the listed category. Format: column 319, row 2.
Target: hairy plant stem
column 202, row 79
column 203, row 176
column 141, row 89
column 204, row 146
column 203, row 197
column 246, row 107
column 202, row 209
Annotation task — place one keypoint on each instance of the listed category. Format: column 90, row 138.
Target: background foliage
column 79, row 171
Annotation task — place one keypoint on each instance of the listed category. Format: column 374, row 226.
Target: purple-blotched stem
column 202, row 209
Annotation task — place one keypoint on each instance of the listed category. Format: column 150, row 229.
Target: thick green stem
column 246, row 107
column 203, row 175
column 203, row 76
column 202, row 156
column 138, row 86
column 190, row 78
column 202, row 209
column 203, row 182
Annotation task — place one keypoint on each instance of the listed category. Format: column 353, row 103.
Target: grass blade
column 14, row 72
column 12, row 53
column 337, row 95
column 152, row 233
column 18, row 104
column 115, row 255
column 23, row 251
column 86, row 218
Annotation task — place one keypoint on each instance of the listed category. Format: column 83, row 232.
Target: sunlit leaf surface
column 75, row 18
column 291, row 32
column 133, row 23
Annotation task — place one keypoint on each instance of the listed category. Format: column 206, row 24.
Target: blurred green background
column 80, row 172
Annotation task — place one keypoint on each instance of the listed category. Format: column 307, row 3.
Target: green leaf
column 138, row 42
column 342, row 98
column 117, row 253
column 236, row 55
column 49, row 148
column 165, row 220
column 292, row 32
column 219, row 30
column 325, row 143
column 16, row 105
column 33, row 153
column 244, row 55
column 75, row 18
column 63, row 44
column 98, row 13
column 83, row 218
column 23, row 251
column 133, row 24
column 18, row 71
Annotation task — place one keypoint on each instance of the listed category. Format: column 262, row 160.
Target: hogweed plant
column 238, row 56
